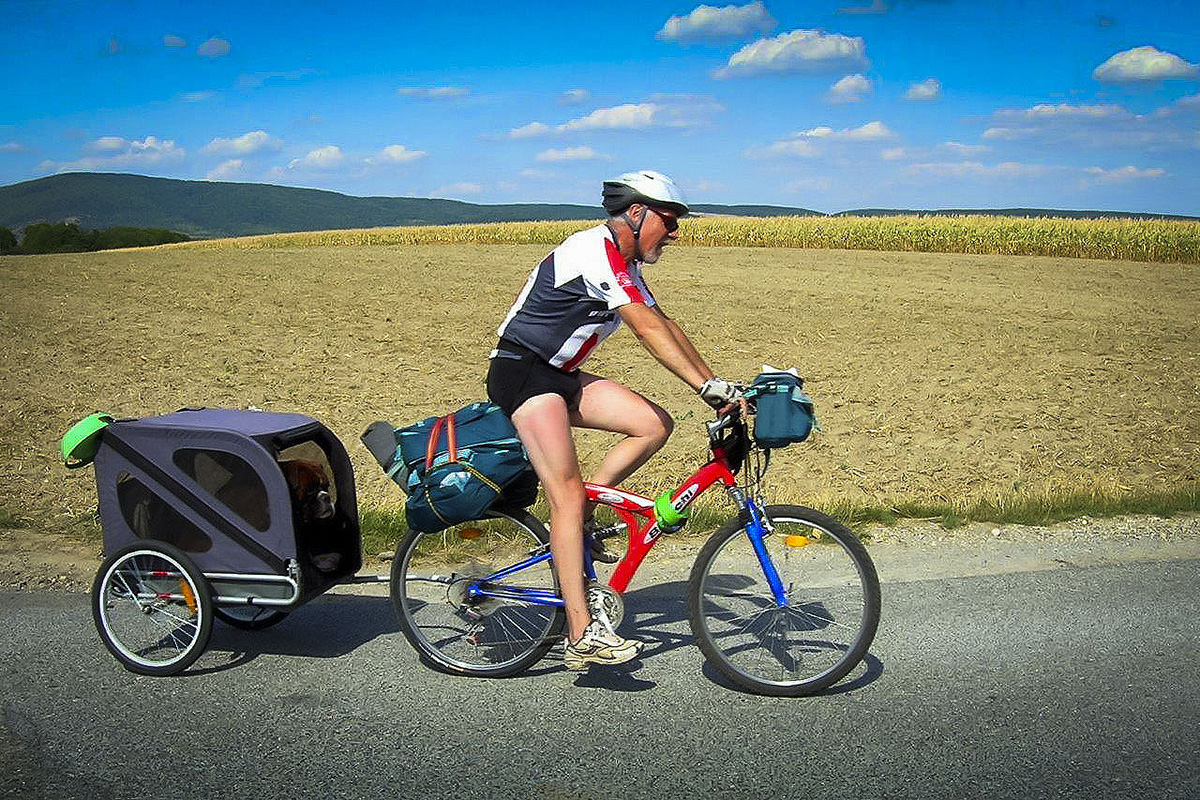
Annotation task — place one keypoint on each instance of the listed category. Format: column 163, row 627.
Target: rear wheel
column 152, row 608
column 828, row 619
column 456, row 631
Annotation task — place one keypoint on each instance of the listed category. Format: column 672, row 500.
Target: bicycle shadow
column 659, row 616
column 327, row 627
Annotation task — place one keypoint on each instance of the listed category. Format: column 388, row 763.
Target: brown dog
column 310, row 490
column 313, row 510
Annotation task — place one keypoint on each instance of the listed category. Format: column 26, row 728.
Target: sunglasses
column 670, row 223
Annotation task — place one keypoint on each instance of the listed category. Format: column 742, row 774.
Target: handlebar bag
column 784, row 413
column 455, row 467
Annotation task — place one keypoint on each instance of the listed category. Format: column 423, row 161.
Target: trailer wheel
column 152, row 608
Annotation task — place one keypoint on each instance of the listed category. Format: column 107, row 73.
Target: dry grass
column 938, row 378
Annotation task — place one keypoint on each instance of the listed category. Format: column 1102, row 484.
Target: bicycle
column 782, row 600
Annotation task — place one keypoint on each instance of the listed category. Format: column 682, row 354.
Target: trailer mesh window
column 149, row 517
column 230, row 480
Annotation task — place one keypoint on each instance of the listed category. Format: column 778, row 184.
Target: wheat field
column 936, row 376
column 1176, row 241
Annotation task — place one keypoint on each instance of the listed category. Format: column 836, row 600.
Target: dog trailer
column 200, row 518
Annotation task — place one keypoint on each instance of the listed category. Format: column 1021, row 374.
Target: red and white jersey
column 568, row 305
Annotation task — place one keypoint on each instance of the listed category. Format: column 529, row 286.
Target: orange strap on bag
column 451, row 441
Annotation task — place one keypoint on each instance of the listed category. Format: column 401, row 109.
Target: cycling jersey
column 568, row 305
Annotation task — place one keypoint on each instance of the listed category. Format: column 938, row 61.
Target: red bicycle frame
column 637, row 513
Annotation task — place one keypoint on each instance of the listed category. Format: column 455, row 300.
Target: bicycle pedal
column 603, row 555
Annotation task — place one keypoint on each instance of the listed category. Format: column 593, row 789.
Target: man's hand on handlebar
column 722, row 395
column 719, row 393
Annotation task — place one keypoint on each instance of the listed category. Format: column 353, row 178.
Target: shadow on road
column 336, row 625
column 330, row 627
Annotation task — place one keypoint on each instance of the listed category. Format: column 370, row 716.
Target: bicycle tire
column 484, row 638
column 805, row 646
column 152, row 608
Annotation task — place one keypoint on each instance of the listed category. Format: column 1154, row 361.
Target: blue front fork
column 757, row 532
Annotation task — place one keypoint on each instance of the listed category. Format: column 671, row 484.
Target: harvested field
column 936, row 376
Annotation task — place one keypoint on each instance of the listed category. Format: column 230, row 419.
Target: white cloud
column 786, row 148
column 958, row 170
column 850, row 89
column 964, row 150
column 806, row 51
column 433, row 92
column 630, row 116
column 804, row 143
column 197, row 97
column 244, row 145
column 1142, row 64
column 661, row 111
column 572, row 154
column 1040, row 119
column 1064, row 110
column 928, row 89
column 171, row 40
column 1097, row 125
column 893, row 154
column 322, row 158
column 871, row 131
column 712, row 23
column 396, row 154
column 227, row 170
column 115, row 152
column 530, row 130
column 1123, row 174
column 573, row 97
column 458, row 190
column 11, row 147
column 214, row 48
column 108, row 144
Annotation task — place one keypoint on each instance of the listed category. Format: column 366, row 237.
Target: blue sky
column 824, row 105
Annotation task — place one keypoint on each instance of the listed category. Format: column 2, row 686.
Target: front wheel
column 820, row 632
column 435, row 582
column 152, row 608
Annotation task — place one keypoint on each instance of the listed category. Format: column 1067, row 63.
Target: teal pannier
column 456, row 467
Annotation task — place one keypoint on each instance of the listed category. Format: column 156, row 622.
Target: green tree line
column 67, row 237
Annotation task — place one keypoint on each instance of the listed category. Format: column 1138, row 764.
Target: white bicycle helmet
column 646, row 187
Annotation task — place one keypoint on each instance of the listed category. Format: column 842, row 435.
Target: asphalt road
column 1077, row 682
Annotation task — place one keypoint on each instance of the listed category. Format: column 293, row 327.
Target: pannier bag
column 454, row 468
column 784, row 413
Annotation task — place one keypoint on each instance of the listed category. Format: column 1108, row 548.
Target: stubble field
column 937, row 377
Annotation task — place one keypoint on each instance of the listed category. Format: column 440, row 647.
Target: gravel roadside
column 914, row 550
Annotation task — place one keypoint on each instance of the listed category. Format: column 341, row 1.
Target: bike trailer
column 454, row 468
column 221, row 487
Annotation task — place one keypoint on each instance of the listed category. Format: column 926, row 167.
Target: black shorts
column 517, row 373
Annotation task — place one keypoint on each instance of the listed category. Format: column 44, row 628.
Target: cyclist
column 578, row 296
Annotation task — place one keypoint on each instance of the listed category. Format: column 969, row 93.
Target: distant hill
column 209, row 209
